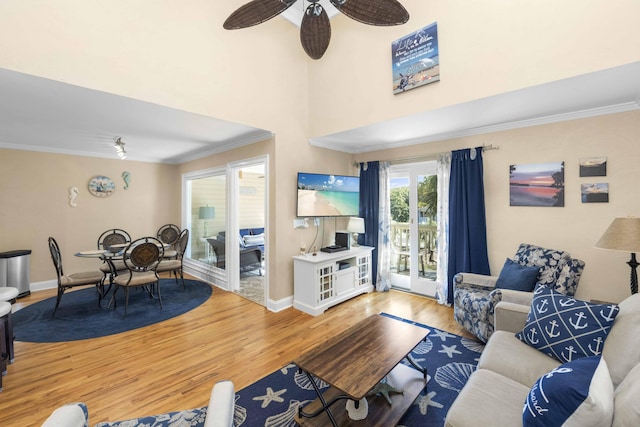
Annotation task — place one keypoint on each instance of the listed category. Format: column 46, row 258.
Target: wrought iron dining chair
column 169, row 235
column 68, row 281
column 112, row 240
column 141, row 258
column 175, row 265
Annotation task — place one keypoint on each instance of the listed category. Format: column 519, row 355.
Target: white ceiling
column 44, row 115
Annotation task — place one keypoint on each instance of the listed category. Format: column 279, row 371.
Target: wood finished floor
column 172, row 365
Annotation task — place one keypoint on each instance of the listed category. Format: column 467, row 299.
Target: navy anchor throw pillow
column 566, row 328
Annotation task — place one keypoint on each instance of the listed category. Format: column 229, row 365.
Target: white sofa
column 219, row 412
column 508, row 368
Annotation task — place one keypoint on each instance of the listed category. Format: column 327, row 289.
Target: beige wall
column 576, row 227
column 487, row 47
column 35, row 205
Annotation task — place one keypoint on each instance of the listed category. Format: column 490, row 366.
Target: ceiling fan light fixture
column 119, row 146
column 315, row 29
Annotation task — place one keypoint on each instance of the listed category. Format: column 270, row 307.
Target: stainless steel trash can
column 15, row 267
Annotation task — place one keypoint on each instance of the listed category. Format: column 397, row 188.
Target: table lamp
column 624, row 235
column 355, row 226
column 206, row 212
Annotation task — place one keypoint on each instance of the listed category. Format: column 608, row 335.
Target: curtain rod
column 425, row 157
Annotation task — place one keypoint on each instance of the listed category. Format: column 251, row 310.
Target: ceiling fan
column 315, row 30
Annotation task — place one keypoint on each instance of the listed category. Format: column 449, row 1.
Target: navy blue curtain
column 467, row 220
column 369, row 202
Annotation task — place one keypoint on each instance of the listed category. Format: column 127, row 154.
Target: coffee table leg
column 411, row 360
column 324, row 407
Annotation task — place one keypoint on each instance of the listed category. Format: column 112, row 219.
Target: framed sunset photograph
column 595, row 193
column 538, row 184
column 593, row 166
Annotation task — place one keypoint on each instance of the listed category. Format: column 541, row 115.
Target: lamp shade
column 356, row 225
column 622, row 235
column 207, row 212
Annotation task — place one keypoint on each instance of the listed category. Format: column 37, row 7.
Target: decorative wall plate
column 101, row 186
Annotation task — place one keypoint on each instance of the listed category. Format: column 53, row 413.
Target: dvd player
column 334, row 248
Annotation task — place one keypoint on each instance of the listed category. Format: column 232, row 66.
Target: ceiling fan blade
column 315, row 31
column 256, row 12
column 373, row 12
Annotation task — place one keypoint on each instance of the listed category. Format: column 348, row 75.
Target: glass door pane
column 413, row 201
column 208, row 220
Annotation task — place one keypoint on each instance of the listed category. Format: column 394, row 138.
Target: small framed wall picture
column 415, row 59
column 595, row 193
column 593, row 166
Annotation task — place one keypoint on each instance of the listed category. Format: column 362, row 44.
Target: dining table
column 113, row 253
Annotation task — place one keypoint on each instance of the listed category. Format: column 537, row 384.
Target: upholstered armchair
column 475, row 296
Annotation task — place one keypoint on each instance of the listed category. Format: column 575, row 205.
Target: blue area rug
column 78, row 316
column 273, row 401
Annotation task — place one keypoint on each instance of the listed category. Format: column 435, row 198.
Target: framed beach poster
column 415, row 59
column 539, row 184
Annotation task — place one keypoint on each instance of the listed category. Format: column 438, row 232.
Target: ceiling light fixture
column 120, row 148
column 315, row 30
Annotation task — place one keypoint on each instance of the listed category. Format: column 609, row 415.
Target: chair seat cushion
column 169, row 265
column 170, row 253
column 117, row 264
column 82, row 278
column 566, row 328
column 517, row 277
column 577, row 393
column 137, row 279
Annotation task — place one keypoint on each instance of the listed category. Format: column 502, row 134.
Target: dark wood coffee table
column 354, row 362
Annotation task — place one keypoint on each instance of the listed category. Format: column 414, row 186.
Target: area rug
column 273, row 401
column 78, row 317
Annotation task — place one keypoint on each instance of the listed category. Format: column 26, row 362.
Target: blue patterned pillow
column 566, row 328
column 577, row 393
column 517, row 277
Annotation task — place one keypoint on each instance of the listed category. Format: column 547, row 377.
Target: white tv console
column 319, row 283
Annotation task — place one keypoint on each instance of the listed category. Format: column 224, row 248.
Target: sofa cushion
column 508, row 356
column 627, row 404
column 488, row 399
column 517, row 277
column 577, row 393
column 566, row 328
column 622, row 347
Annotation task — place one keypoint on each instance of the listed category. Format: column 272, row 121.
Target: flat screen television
column 326, row 195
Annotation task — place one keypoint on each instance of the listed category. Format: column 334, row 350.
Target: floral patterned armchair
column 475, row 296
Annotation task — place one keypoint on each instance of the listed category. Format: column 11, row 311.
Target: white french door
column 413, row 231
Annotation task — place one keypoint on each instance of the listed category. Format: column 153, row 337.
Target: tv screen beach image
column 540, row 184
column 328, row 195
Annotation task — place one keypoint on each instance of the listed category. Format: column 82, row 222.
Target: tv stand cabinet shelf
column 319, row 283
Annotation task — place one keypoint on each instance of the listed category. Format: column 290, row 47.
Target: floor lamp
column 624, row 235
